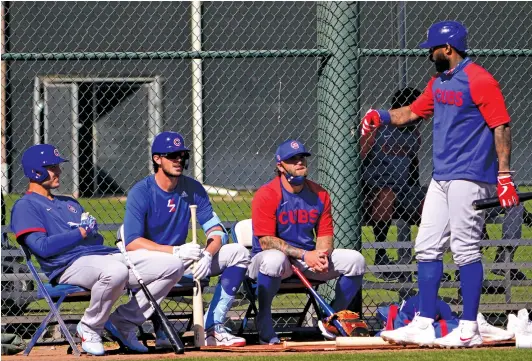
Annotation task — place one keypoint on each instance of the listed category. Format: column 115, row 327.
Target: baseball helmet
column 36, row 158
column 288, row 149
column 168, row 142
column 446, row 32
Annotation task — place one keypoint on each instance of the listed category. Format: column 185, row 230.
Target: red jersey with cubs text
column 296, row 218
column 467, row 104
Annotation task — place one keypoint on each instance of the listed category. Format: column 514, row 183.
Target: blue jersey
column 296, row 218
column 467, row 104
column 163, row 217
column 58, row 222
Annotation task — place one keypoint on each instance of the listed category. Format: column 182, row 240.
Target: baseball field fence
column 100, row 79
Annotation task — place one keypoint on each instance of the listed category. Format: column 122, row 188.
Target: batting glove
column 506, row 191
column 374, row 119
column 203, row 267
column 188, row 252
column 88, row 223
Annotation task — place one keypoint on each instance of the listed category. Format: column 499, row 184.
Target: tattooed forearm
column 503, row 146
column 270, row 242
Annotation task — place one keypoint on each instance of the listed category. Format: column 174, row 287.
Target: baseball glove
column 350, row 321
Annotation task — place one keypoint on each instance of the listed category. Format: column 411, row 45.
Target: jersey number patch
column 171, row 205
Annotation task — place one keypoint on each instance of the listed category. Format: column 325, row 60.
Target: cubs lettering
column 450, row 97
column 299, row 216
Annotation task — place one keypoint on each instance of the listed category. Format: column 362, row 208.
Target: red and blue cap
column 168, row 142
column 290, row 148
column 37, row 157
column 449, row 32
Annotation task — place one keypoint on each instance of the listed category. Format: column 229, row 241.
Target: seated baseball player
column 67, row 245
column 158, row 217
column 391, row 177
column 292, row 223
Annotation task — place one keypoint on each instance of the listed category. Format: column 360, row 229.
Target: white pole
column 75, row 139
column 5, row 181
column 197, row 94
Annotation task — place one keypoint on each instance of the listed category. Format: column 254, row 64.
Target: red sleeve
column 423, row 106
column 325, row 223
column 263, row 211
column 486, row 94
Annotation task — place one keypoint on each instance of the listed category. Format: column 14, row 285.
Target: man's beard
column 442, row 65
column 169, row 175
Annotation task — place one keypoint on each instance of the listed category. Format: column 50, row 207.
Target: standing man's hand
column 373, row 120
column 506, row 191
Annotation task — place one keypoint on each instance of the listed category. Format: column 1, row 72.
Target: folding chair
column 54, row 295
column 242, row 233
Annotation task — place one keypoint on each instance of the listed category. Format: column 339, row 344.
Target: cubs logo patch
column 294, row 145
column 56, row 152
column 72, row 209
column 177, row 142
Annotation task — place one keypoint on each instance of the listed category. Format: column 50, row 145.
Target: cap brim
column 306, row 154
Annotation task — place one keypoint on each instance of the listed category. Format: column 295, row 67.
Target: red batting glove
column 370, row 122
column 506, row 191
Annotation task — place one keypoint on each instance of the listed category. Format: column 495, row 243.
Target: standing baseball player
column 157, row 218
column 471, row 153
column 287, row 213
column 70, row 250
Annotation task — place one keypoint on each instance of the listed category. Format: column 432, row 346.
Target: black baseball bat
column 494, row 201
column 168, row 329
column 324, row 305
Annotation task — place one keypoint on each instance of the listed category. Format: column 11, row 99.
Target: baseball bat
column 197, row 298
column 168, row 329
column 340, row 342
column 494, row 201
column 324, row 305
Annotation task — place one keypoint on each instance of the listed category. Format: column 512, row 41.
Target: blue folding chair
column 54, row 295
column 242, row 233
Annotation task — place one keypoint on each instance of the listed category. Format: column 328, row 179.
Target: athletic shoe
column 218, row 335
column 273, row 341
column 126, row 338
column 91, row 342
column 419, row 332
column 326, row 333
column 465, row 335
column 491, row 333
column 161, row 341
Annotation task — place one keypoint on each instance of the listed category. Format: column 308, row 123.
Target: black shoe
column 385, row 261
column 515, row 275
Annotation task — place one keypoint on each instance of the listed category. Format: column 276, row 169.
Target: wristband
column 303, row 256
column 385, row 116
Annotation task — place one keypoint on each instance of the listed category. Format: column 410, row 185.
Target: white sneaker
column 218, row 335
column 326, row 333
column 519, row 324
column 491, row 333
column 419, row 332
column 91, row 342
column 465, row 335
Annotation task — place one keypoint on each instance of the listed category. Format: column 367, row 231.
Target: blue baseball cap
column 168, row 142
column 289, row 148
column 37, row 157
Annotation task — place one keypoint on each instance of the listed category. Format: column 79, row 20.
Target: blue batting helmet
column 446, row 32
column 168, row 142
column 36, row 158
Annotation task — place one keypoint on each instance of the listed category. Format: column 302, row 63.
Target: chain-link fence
column 100, row 79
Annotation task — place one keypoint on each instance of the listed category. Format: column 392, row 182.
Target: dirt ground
column 58, row 353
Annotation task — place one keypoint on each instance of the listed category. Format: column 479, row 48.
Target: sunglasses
column 175, row 155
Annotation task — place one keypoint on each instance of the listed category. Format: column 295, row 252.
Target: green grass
column 403, row 355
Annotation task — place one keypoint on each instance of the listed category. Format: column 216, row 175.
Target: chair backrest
column 242, row 233
column 27, row 254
